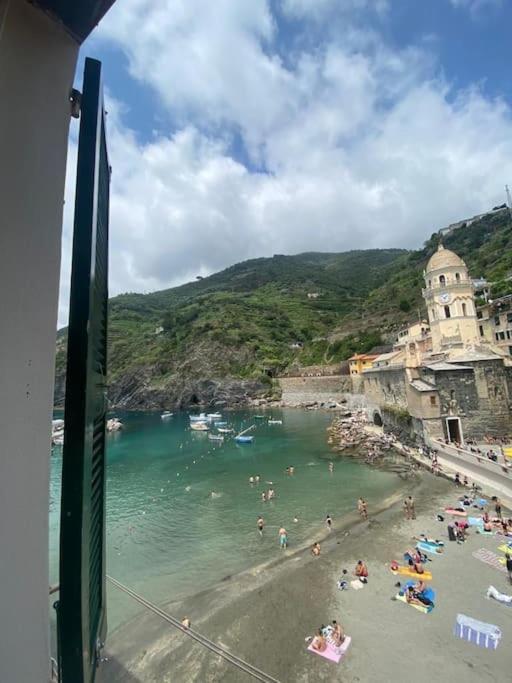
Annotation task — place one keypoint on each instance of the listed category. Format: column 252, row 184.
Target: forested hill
column 268, row 313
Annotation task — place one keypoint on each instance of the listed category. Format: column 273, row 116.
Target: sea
column 182, row 515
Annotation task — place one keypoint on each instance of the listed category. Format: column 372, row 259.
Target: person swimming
column 251, row 480
column 328, row 521
column 261, row 524
column 257, row 479
column 263, row 497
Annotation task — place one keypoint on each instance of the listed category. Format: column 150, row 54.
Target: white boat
column 225, row 430
column 275, row 422
column 214, row 416
column 166, row 415
column 215, row 437
column 197, row 418
column 199, row 426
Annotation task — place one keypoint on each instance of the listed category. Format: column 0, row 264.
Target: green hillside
column 243, row 321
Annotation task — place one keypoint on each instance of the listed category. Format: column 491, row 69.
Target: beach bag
column 452, row 536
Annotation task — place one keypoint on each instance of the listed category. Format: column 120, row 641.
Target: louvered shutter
column 82, row 605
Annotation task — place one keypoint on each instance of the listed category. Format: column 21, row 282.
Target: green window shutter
column 81, row 610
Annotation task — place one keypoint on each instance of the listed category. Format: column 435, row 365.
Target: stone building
column 444, row 377
column 495, row 322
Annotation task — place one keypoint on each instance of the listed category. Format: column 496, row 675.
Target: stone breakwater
column 351, row 434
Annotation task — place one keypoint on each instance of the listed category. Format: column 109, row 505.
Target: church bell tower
column 450, row 301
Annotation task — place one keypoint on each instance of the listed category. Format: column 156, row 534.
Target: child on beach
column 316, row 549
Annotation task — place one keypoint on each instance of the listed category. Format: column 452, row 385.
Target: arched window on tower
column 464, row 309
column 430, row 284
column 457, row 277
column 447, row 313
column 442, row 280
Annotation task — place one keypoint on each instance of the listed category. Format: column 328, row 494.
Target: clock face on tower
column 444, row 298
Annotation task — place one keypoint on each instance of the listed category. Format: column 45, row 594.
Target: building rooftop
column 364, row 356
column 443, row 365
column 79, row 17
column 421, row 385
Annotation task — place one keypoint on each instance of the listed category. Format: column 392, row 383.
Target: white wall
column 37, row 63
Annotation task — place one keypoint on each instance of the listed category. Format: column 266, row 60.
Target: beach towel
column 405, row 571
column 459, row 513
column 427, row 593
column 500, row 597
column 429, row 548
column 477, row 632
column 481, row 502
column 489, row 558
column 333, row 653
column 504, row 548
column 475, row 521
column 357, row 585
column 421, row 608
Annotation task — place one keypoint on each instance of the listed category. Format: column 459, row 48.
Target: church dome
column 444, row 258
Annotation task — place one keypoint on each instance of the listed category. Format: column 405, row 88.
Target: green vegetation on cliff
column 256, row 316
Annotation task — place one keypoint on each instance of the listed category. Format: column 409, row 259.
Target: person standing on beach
column 328, row 521
column 283, row 538
column 509, row 566
column 497, row 507
column 261, row 524
column 410, row 512
column 362, row 508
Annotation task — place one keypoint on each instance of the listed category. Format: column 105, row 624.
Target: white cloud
column 362, row 145
column 477, row 7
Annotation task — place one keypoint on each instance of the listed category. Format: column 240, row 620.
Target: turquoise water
column 167, row 537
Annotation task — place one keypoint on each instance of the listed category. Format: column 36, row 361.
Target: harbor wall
column 297, row 390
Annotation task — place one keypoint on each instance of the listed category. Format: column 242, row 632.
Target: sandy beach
column 265, row 614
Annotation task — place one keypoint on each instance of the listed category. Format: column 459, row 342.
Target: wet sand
column 264, row 615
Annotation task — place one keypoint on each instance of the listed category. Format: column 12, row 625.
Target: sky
column 246, row 128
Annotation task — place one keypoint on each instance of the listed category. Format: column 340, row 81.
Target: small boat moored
column 275, row 422
column 199, row 426
column 244, row 439
column 197, row 418
column 215, row 437
column 214, row 416
column 225, row 430
column 166, row 415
